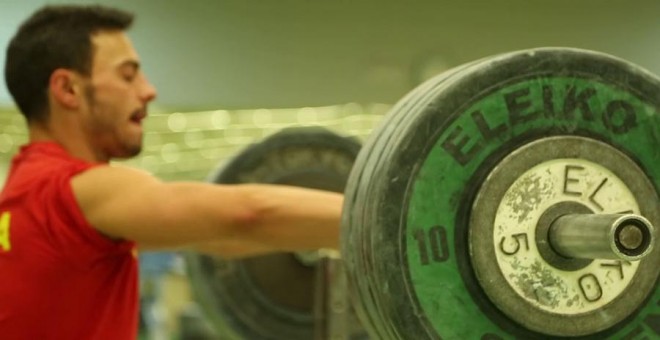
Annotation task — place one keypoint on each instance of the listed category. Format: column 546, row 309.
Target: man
column 70, row 223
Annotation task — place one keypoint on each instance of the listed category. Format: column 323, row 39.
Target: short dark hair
column 54, row 37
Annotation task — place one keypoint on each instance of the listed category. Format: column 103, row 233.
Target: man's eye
column 129, row 77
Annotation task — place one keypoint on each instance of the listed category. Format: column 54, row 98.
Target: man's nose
column 148, row 91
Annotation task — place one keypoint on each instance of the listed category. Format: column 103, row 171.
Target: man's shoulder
column 106, row 181
column 112, row 172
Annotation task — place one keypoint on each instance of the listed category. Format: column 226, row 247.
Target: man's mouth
column 138, row 116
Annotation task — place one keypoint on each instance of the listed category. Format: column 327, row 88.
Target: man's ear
column 66, row 88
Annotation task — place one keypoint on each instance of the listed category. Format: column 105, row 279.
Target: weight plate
column 509, row 226
column 271, row 296
column 410, row 195
column 356, row 244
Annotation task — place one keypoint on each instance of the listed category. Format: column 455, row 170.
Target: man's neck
column 71, row 139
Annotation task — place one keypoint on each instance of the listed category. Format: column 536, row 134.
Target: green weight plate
column 272, row 296
column 358, row 243
column 410, row 194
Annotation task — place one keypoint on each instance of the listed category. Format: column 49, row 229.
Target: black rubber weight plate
column 418, row 98
column 409, row 195
column 271, row 296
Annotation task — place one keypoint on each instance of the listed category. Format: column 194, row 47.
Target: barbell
column 512, row 197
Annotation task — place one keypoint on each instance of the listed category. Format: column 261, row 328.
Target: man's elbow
column 251, row 211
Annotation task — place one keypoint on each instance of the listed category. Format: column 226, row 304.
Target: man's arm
column 125, row 203
column 228, row 249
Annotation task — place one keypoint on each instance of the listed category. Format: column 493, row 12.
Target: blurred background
column 231, row 72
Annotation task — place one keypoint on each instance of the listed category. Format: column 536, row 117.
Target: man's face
column 117, row 96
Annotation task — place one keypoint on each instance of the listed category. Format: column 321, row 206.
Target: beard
column 103, row 125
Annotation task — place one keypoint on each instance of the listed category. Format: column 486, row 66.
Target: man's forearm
column 232, row 249
column 292, row 218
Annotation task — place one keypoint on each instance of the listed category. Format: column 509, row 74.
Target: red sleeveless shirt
column 59, row 277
